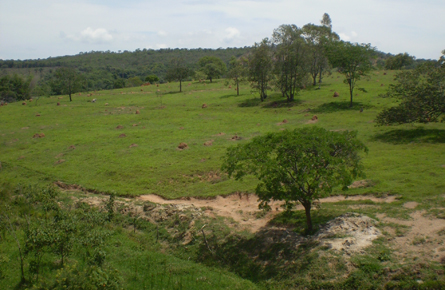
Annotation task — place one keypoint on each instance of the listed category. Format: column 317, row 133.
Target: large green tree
column 259, row 67
column 302, row 165
column 291, row 60
column 212, row 66
column 66, row 80
column 178, row 71
column 420, row 93
column 352, row 60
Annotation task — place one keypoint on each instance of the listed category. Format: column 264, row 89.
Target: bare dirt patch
column 361, row 184
column 422, row 238
column 182, row 146
column 349, row 233
column 243, row 209
column 312, row 121
column 410, row 204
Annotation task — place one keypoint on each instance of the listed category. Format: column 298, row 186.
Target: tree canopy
column 399, row 61
column 237, row 72
column 14, row 88
column 66, row 80
column 178, row 71
column 291, row 60
column 353, row 60
column 212, row 67
column 259, row 68
column 302, row 165
column 421, row 93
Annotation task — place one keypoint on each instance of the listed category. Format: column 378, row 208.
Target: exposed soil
column 421, row 237
column 349, row 233
column 243, row 209
column 410, row 204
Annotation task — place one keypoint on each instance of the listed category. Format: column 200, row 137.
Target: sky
column 32, row 29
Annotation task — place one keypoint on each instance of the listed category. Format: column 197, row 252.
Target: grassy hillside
column 83, row 145
column 127, row 143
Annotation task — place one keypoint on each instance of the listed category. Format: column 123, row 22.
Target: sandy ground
column 242, row 208
column 421, row 237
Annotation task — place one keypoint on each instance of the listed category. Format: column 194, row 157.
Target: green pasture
column 408, row 160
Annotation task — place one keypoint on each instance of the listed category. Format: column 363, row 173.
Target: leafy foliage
column 260, row 67
column 351, row 60
column 291, row 60
column 178, row 71
column 421, row 93
column 14, row 88
column 152, row 79
column 302, row 165
column 237, row 72
column 399, row 61
column 212, row 66
column 66, row 80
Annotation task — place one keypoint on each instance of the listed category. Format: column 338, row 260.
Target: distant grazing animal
column 93, row 101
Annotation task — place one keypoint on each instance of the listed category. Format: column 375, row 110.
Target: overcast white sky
column 31, row 29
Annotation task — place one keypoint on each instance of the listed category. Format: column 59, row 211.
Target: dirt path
column 244, row 208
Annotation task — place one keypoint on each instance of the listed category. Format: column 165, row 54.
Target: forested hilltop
column 107, row 69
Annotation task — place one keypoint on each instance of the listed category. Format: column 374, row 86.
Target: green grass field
column 405, row 159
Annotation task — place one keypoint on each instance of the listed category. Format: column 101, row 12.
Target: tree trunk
column 237, row 88
column 70, row 97
column 351, row 90
column 180, row 86
column 307, row 209
column 210, row 79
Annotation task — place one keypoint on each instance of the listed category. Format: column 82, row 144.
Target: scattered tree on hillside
column 421, row 93
column 66, row 80
column 236, row 72
column 152, row 79
column 291, row 60
column 351, row 60
column 259, row 67
column 317, row 37
column 302, row 165
column 400, row 61
column 212, row 67
column 178, row 71
column 134, row 82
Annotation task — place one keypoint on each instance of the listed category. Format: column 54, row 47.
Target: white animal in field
column 93, row 101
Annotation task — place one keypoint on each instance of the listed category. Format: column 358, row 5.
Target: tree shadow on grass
column 333, row 107
column 172, row 93
column 255, row 102
column 282, row 104
column 264, row 255
column 269, row 104
column 229, row 96
column 417, row 135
